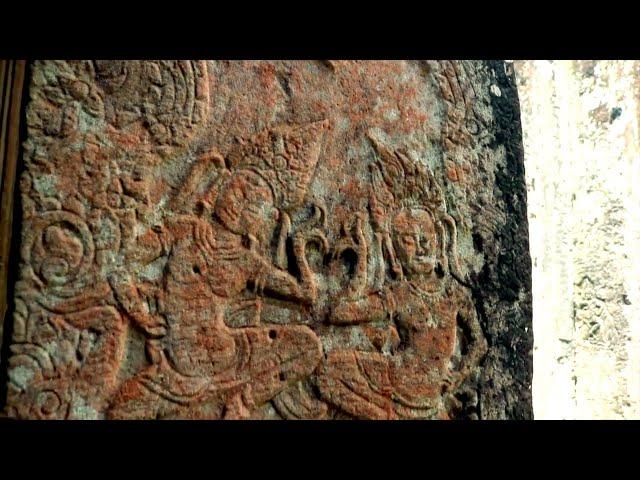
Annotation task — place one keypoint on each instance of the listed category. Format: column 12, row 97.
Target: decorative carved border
column 12, row 75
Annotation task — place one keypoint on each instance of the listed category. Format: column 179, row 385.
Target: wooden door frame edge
column 12, row 85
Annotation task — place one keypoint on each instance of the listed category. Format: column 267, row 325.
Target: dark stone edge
column 502, row 290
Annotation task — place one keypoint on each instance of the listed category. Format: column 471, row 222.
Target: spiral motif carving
column 59, row 248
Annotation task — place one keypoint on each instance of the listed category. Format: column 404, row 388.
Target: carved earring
column 285, row 230
column 443, row 264
column 452, row 247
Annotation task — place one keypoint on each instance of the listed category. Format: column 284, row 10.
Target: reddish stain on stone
column 260, row 229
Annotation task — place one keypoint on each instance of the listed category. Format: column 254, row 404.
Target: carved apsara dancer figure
column 416, row 319
column 201, row 367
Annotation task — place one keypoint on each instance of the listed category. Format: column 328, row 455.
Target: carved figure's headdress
column 399, row 181
column 285, row 156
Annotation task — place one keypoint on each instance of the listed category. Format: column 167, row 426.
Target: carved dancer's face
column 416, row 241
column 246, row 206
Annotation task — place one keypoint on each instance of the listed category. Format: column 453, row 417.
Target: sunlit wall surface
column 582, row 156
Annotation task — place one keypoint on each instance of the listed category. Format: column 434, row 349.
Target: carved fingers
column 300, row 242
column 352, row 236
column 285, row 231
column 320, row 213
column 302, row 239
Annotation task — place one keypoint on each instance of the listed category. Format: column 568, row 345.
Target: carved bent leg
column 141, row 399
column 268, row 360
column 358, row 383
column 273, row 358
column 135, row 401
column 159, row 391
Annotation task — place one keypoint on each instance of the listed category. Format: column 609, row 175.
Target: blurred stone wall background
column 581, row 135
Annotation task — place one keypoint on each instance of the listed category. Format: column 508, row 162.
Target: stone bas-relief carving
column 299, row 240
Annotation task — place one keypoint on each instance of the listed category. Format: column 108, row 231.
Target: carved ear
column 281, row 259
column 443, row 243
column 450, row 246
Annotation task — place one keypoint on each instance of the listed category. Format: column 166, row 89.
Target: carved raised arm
column 275, row 282
column 132, row 302
column 300, row 242
column 477, row 346
column 354, row 239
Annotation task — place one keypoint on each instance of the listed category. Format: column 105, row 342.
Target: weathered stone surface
column 328, row 239
column 582, row 145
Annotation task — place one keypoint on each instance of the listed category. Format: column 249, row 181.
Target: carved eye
column 425, row 243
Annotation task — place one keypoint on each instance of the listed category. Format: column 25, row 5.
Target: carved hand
column 354, row 239
column 285, row 230
column 300, row 241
